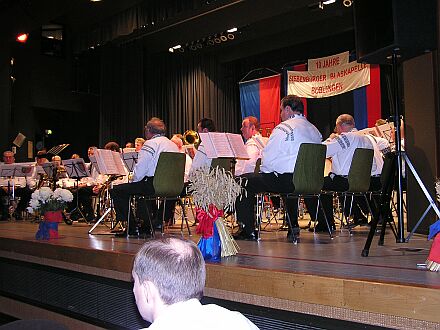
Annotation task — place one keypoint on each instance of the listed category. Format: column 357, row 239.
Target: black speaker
column 406, row 27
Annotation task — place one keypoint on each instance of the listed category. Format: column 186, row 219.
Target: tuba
column 191, row 137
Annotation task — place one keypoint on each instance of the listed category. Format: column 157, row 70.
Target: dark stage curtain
column 183, row 89
column 122, row 95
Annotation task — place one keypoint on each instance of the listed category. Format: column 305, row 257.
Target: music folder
column 48, row 168
column 76, row 168
column 130, row 159
column 108, row 162
column 219, row 145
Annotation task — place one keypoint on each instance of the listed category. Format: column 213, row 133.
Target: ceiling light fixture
column 347, row 3
column 328, row 2
column 22, row 37
column 232, row 30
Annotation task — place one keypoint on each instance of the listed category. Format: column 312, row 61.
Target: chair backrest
column 388, row 174
column 257, row 166
column 359, row 175
column 168, row 177
column 225, row 163
column 308, row 175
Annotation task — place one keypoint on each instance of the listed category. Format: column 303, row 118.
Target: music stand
column 11, row 171
column 76, row 169
column 130, row 160
column 51, row 172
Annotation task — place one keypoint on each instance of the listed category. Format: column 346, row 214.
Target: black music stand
column 76, row 169
column 130, row 160
column 10, row 171
column 51, row 172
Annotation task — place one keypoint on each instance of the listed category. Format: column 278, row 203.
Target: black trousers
column 25, row 196
column 121, row 194
column 264, row 182
column 340, row 184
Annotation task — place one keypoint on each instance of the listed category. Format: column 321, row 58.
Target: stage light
column 23, row 37
column 328, row 2
column 347, row 3
column 177, row 47
column 217, row 40
column 232, row 30
column 210, row 42
column 230, row 36
column 223, row 38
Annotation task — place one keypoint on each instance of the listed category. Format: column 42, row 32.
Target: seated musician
column 255, row 144
column 205, row 125
column 138, row 143
column 22, row 189
column 143, row 174
column 340, row 148
column 277, row 165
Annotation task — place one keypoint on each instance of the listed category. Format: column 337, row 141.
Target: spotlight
column 210, row 42
column 328, row 2
column 232, row 30
column 171, row 50
column 230, row 36
column 217, row 40
column 223, row 38
column 23, row 37
column 347, row 3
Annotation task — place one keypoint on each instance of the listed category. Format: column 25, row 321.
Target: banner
column 329, row 82
column 261, row 98
column 323, row 63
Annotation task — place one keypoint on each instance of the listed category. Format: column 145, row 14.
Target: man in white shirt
column 340, row 148
column 277, row 165
column 169, row 276
column 143, row 173
column 255, row 144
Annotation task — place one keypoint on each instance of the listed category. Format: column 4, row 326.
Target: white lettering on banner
column 322, row 63
column 329, row 82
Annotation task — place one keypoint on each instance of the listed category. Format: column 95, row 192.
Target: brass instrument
column 191, row 137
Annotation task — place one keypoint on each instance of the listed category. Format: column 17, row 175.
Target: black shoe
column 291, row 234
column 322, row 228
column 358, row 222
column 243, row 236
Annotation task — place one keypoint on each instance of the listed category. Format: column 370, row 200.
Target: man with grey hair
column 340, row 148
column 143, row 174
column 169, row 276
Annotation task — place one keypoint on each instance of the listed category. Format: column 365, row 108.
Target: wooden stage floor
column 320, row 276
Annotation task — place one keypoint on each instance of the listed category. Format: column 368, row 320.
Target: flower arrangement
column 49, row 203
column 44, row 200
column 214, row 191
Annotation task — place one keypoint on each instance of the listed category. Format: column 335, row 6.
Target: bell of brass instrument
column 191, row 137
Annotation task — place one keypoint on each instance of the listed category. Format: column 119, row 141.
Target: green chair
column 359, row 177
column 308, row 175
column 227, row 163
column 168, row 184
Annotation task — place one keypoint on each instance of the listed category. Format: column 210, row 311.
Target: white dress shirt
column 200, row 158
column 254, row 147
column 281, row 150
column 149, row 155
column 210, row 317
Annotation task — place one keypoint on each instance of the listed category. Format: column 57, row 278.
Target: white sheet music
column 109, row 162
column 76, row 168
column 224, row 145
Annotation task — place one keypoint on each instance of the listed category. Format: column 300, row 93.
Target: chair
column 359, row 177
column 168, row 185
column 382, row 203
column 308, row 175
column 227, row 163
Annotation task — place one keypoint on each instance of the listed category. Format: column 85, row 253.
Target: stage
column 319, row 276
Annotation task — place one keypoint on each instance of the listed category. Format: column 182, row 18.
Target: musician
column 277, row 165
column 143, row 174
column 205, row 125
column 22, row 189
column 129, row 145
column 340, row 148
column 91, row 151
column 188, row 161
column 138, row 143
column 255, row 144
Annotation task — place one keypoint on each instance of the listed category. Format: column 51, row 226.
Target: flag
column 261, row 98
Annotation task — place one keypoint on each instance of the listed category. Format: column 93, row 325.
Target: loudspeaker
column 406, row 27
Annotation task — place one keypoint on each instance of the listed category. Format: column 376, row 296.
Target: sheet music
column 48, row 169
column 76, row 168
column 237, row 145
column 369, row 130
column 93, row 164
column 386, row 131
column 224, row 145
column 15, row 170
column 109, row 162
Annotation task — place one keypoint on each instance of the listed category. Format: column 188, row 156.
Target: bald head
column 344, row 123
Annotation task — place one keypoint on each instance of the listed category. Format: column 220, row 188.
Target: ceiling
column 263, row 25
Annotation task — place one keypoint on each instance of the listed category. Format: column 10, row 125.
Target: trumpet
column 191, row 137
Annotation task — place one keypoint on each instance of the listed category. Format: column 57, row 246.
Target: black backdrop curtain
column 122, row 115
column 183, row 89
